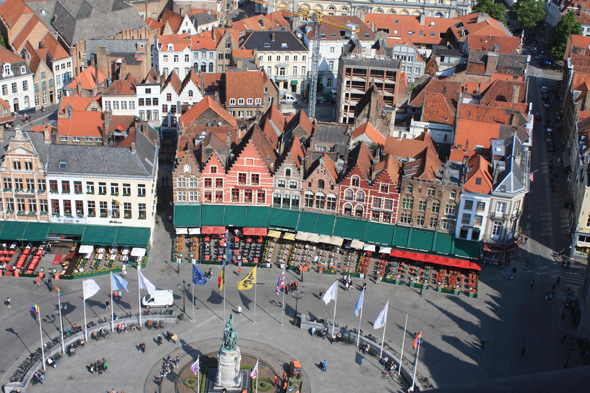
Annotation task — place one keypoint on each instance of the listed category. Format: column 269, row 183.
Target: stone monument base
column 210, row 387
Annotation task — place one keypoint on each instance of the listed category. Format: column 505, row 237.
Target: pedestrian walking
column 553, row 287
column 170, row 219
column 563, row 338
column 37, row 282
column 483, row 343
column 324, row 365
column 239, row 310
column 547, row 296
column 285, row 386
column 276, row 380
column 522, row 352
column 364, row 285
column 532, row 284
column 7, row 302
column 285, row 377
column 50, row 284
column 321, row 292
column 108, row 304
column 558, row 280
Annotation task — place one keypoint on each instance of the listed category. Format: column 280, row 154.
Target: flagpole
column 85, row 326
column 61, row 324
column 384, row 327
column 358, row 336
column 193, row 301
column 112, row 305
column 256, row 380
column 255, row 287
column 283, row 306
column 223, row 283
column 416, row 365
column 335, row 302
column 41, row 334
column 138, row 292
column 401, row 356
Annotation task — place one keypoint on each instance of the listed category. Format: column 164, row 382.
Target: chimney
column 491, row 63
column 273, row 36
column 515, row 94
column 213, row 34
column 496, row 172
column 373, row 26
column 466, row 146
column 47, row 132
column 481, row 17
column 79, row 88
column 422, row 19
column 262, row 22
column 132, row 147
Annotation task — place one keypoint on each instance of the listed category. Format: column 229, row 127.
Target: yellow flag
column 248, row 281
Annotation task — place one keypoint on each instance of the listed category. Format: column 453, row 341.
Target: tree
column 2, row 41
column 495, row 10
column 561, row 32
column 528, row 13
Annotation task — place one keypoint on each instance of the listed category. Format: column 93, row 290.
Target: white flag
column 144, row 283
column 330, row 293
column 382, row 318
column 90, row 288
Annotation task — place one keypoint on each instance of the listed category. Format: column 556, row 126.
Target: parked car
column 546, row 105
column 545, row 97
column 557, row 116
column 537, row 116
column 550, row 146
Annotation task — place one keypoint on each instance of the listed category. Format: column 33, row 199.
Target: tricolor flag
column 254, row 373
column 532, row 176
column 58, row 292
column 195, row 366
column 281, row 282
column 35, row 309
column 417, row 340
column 220, row 280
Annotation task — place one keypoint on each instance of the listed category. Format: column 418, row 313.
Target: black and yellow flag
column 248, row 281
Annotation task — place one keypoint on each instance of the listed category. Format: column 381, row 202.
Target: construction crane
column 315, row 18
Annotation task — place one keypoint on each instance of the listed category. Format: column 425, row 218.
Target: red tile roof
column 4, row 103
column 173, row 19
column 195, row 11
column 265, row 150
column 501, row 90
column 7, row 56
column 23, row 35
column 174, row 81
column 178, row 41
column 498, row 44
column 489, row 114
column 155, row 25
column 335, row 33
column 120, row 88
column 203, row 40
column 438, row 109
column 450, row 90
column 330, row 166
column 523, row 108
column 405, row 148
column 577, row 44
column 268, row 22
column 207, row 103
column 370, row 131
column 54, row 48
column 296, row 151
column 480, row 179
column 82, row 124
column 86, row 77
column 299, row 119
column 472, row 133
column 244, row 84
column 12, row 10
column 390, row 165
column 242, row 53
column 432, row 32
column 77, row 103
column 469, row 23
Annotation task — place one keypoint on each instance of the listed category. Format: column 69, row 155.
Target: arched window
column 358, row 211
column 439, row 15
column 320, row 184
column 347, row 209
column 348, row 195
column 210, row 67
column 318, row 8
column 378, row 11
column 288, row 172
column 360, row 196
column 331, row 10
column 391, row 11
column 356, row 181
column 203, row 67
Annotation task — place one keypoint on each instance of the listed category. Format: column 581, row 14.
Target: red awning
column 489, row 248
column 512, row 247
column 431, row 258
column 261, row 231
column 474, row 266
column 396, row 253
column 213, row 230
column 249, row 231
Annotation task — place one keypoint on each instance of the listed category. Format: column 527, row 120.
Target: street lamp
column 185, row 287
column 297, row 295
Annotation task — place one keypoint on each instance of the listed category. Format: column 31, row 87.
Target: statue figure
column 230, row 336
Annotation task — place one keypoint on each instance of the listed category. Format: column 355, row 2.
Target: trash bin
column 181, row 316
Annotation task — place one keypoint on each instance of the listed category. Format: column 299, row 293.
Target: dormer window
column 232, row 101
column 249, row 101
column 240, row 101
column 23, row 70
column 7, row 68
column 170, row 47
column 258, row 101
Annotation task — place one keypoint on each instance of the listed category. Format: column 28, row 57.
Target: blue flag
column 117, row 282
column 359, row 303
column 198, row 277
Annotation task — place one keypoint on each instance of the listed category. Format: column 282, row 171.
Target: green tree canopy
column 528, row 13
column 561, row 32
column 495, row 10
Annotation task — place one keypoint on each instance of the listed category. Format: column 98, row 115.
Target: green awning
column 133, row 237
column 284, row 220
column 13, row 230
column 421, row 239
column 235, row 216
column 67, row 229
column 1, row 225
column 213, row 215
column 294, row 82
column 36, row 232
column 100, row 234
column 307, row 222
column 468, row 249
column 443, row 242
column 379, row 234
column 187, row 216
column 325, row 225
column 257, row 216
column 400, row 237
column 350, row 229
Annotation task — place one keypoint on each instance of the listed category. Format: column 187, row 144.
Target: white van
column 544, row 89
column 289, row 99
column 160, row 298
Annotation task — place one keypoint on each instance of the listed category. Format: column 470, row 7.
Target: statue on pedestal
column 229, row 358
